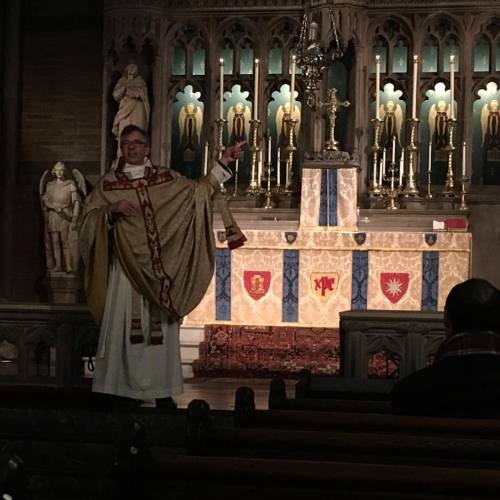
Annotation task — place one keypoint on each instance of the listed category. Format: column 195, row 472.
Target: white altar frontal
column 306, row 273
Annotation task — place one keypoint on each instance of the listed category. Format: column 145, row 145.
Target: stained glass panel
column 246, row 61
column 400, row 58
column 482, row 56
column 228, row 56
column 429, row 59
column 199, row 62
column 276, row 60
column 179, row 63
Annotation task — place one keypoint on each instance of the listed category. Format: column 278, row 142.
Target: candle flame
column 221, row 61
column 377, row 58
column 415, row 58
column 452, row 59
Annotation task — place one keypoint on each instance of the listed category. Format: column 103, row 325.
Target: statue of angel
column 490, row 126
column 282, row 127
column 438, row 124
column 61, row 201
column 190, row 124
column 238, row 117
column 392, row 118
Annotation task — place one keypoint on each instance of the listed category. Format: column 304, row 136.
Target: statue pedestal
column 63, row 288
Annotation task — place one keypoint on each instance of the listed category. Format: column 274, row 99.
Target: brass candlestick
column 332, row 104
column 429, row 193
column 392, row 193
column 449, row 185
column 373, row 188
column 463, row 192
column 290, row 149
column 269, row 191
column 411, row 188
column 253, row 187
column 220, row 122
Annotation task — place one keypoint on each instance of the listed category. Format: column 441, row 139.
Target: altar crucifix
column 331, row 105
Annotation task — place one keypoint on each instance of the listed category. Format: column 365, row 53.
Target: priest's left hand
column 232, row 152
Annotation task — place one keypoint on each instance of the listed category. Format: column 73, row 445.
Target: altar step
column 190, row 339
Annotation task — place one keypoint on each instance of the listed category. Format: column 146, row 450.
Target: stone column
column 10, row 132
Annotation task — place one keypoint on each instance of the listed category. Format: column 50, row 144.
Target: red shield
column 257, row 283
column 394, row 285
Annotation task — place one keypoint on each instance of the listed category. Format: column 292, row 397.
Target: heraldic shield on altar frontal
column 324, row 285
column 257, row 283
column 394, row 285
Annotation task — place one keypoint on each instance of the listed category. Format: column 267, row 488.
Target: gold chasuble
column 166, row 248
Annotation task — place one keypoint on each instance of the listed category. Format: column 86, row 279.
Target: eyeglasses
column 128, row 144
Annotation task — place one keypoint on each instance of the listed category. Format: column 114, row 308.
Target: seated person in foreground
column 464, row 380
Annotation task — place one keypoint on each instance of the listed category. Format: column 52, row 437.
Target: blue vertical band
column 430, row 280
column 223, row 284
column 359, row 291
column 328, row 197
column 290, row 285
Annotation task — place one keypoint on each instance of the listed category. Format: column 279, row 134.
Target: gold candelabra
column 253, row 187
column 449, row 185
column 410, row 188
column 332, row 104
column 290, row 150
column 374, row 188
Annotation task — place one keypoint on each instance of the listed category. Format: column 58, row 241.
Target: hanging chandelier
column 313, row 57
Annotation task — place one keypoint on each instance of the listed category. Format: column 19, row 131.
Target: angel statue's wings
column 199, row 122
column 297, row 117
column 432, row 120
column 485, row 111
column 381, row 110
column 80, row 181
column 43, row 183
column 398, row 115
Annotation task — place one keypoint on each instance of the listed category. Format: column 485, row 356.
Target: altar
column 306, row 273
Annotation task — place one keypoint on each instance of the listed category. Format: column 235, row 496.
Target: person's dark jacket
column 464, row 380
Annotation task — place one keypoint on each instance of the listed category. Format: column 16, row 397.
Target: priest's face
column 134, row 148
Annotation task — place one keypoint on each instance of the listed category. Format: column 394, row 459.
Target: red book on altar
column 458, row 223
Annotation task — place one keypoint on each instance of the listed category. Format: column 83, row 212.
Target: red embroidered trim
column 123, row 182
column 153, row 239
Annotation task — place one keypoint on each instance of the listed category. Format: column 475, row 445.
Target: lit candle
column 256, row 89
column 384, row 151
column 414, row 96
column 452, row 87
column 221, row 84
column 463, row 159
column 393, row 159
column 401, row 167
column 377, row 87
column 269, row 150
column 429, row 163
column 292, row 85
column 278, row 167
column 237, row 166
column 205, row 159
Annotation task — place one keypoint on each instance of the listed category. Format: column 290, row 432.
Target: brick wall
column 60, row 116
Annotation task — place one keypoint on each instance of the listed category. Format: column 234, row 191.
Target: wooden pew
column 244, row 478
